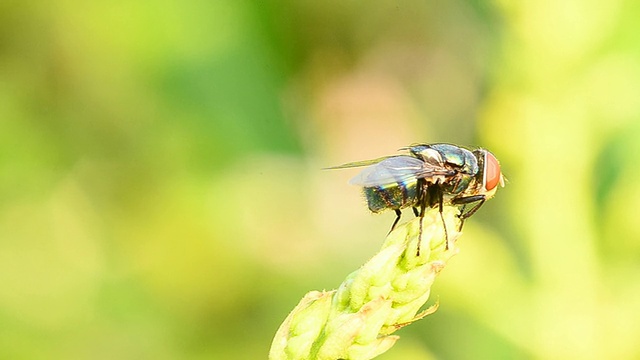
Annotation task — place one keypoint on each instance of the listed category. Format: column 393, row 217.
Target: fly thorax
column 463, row 182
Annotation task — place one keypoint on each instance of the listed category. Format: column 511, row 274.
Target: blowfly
column 429, row 176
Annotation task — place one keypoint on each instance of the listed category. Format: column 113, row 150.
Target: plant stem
column 356, row 320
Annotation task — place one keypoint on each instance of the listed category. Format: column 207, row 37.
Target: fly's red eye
column 491, row 171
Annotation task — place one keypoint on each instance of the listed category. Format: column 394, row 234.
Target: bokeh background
column 162, row 193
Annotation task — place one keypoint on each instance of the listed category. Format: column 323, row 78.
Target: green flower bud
column 357, row 320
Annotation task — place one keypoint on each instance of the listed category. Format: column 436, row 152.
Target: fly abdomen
column 398, row 196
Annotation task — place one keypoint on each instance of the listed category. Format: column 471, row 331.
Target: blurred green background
column 161, row 191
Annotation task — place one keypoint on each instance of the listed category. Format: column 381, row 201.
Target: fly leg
column 464, row 206
column 435, row 195
column 444, row 224
column 421, row 215
column 422, row 200
column 395, row 222
column 464, row 201
column 399, row 214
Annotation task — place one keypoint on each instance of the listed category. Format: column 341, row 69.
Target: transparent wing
column 358, row 163
column 396, row 169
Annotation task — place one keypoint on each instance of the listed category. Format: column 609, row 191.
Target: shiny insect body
column 429, row 175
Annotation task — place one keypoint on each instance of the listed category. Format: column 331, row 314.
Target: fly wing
column 359, row 163
column 390, row 171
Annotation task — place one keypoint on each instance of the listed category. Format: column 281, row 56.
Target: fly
column 429, row 176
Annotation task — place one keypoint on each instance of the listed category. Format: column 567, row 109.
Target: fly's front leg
column 464, row 201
